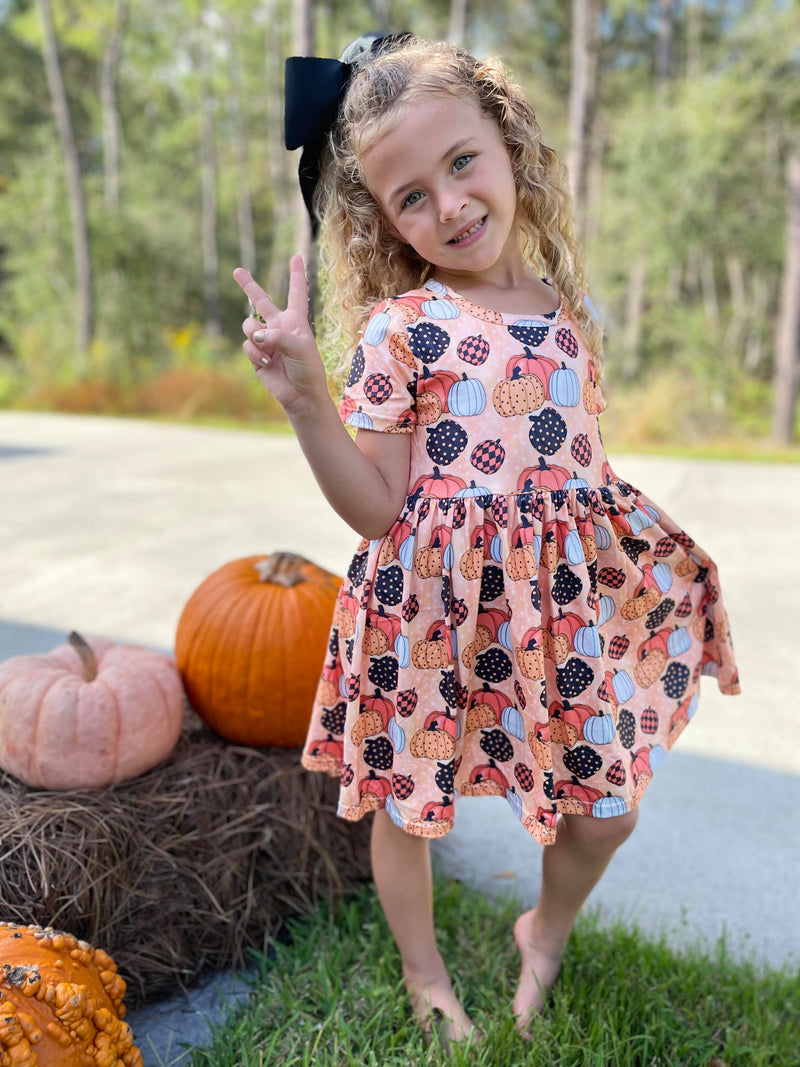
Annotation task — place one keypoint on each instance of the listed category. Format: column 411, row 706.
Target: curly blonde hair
column 363, row 260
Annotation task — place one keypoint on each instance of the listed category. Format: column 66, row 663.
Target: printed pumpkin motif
column 531, row 626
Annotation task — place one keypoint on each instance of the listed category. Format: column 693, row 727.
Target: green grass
column 333, row 997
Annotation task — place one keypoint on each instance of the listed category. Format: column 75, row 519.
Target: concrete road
column 107, row 526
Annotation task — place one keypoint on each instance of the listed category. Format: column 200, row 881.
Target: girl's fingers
column 298, row 287
column 254, row 293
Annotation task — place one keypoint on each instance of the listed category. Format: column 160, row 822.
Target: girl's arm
column 365, row 480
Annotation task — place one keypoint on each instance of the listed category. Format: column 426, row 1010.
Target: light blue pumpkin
column 657, row 754
column 623, row 686
column 474, row 490
column 573, row 548
column 359, row 419
column 440, row 309
column 401, row 647
column 514, row 799
column 651, row 511
column 663, row 576
column 565, row 387
column 376, row 328
column 599, row 729
column 396, row 734
column 406, row 552
column 504, row 635
column 343, row 693
column 678, row 641
column 602, row 538
column 587, row 641
column 537, row 547
column 607, row 609
column 448, row 557
column 454, row 647
column 393, row 812
column 496, row 548
column 466, row 397
column 512, row 722
column 608, row 807
column 639, row 520
column 690, row 711
column 576, row 482
column 434, row 286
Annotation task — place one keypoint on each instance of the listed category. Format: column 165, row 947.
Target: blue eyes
column 459, row 164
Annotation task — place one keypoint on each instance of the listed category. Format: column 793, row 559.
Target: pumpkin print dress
column 532, row 626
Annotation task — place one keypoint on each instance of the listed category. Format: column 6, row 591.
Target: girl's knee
column 602, row 834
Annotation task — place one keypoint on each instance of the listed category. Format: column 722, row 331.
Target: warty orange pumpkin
column 89, row 714
column 61, row 1002
column 250, row 646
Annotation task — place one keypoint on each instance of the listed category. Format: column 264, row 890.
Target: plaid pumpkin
column 565, row 339
column 402, row 786
column 616, row 773
column 378, row 388
column 649, row 721
column 524, row 777
column 488, row 456
column 499, row 511
column 473, row 350
column 611, row 577
column 581, row 449
column 664, row 547
column 619, row 646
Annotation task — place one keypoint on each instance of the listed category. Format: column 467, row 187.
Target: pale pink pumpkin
column 88, row 715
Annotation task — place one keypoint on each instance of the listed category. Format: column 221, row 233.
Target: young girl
column 518, row 620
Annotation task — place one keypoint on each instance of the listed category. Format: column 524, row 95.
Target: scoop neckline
column 550, row 317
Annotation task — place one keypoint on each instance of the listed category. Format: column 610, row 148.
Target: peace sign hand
column 282, row 348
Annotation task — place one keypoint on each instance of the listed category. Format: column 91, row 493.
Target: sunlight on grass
column 334, row 997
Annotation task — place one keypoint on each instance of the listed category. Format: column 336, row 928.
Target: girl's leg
column 401, row 868
column 570, row 870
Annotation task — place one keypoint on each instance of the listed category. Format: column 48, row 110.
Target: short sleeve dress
column 532, row 626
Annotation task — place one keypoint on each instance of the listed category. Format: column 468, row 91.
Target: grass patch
column 333, row 997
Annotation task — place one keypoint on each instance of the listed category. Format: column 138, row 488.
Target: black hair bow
column 314, row 89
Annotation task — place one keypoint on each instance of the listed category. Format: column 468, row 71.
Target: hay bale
column 178, row 872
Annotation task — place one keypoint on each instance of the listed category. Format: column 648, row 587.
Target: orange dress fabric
column 532, row 626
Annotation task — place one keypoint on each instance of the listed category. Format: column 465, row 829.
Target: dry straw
column 178, row 872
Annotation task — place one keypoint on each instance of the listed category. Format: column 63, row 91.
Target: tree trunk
column 381, row 15
column 694, row 37
column 208, row 185
column 458, row 22
column 303, row 41
column 665, row 36
column 583, row 90
column 787, row 333
column 77, row 204
column 244, row 199
column 279, row 231
column 112, row 129
column 634, row 310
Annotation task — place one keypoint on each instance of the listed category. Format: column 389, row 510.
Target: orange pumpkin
column 250, row 647
column 60, row 1002
column 88, row 714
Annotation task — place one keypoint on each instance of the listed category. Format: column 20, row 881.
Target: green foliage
column 688, row 185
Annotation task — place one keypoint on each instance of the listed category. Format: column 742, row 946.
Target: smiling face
column 443, row 180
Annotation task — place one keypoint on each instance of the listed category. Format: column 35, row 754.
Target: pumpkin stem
column 281, row 568
column 88, row 658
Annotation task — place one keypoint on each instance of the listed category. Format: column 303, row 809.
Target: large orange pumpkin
column 60, row 1002
column 88, row 714
column 251, row 644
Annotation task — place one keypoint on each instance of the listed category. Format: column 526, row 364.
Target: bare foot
column 541, row 962
column 437, row 1009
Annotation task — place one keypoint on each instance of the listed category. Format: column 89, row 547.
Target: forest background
column 141, row 160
